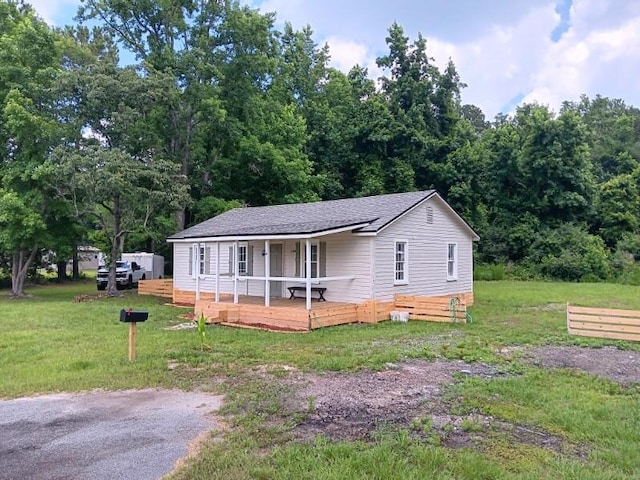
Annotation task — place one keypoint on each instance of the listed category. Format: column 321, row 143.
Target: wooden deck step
column 214, row 312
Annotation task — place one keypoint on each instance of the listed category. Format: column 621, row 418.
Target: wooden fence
column 603, row 323
column 159, row 288
column 432, row 309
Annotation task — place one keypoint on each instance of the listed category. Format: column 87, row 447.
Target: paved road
column 133, row 435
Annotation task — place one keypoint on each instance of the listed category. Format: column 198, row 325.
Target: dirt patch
column 410, row 396
column 550, row 307
column 353, row 406
column 622, row 366
column 407, row 396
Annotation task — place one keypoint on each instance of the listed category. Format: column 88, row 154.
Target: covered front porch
column 281, row 314
column 326, row 265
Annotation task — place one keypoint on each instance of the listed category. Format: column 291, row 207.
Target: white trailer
column 152, row 263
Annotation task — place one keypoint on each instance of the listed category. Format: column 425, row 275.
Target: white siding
column 349, row 255
column 346, row 255
column 181, row 278
column 427, row 253
column 183, row 281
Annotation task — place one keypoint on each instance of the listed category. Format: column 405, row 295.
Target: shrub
column 624, row 262
column 490, row 272
column 570, row 253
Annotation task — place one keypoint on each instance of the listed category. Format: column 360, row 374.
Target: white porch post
column 267, row 273
column 235, row 272
column 217, row 271
column 197, row 270
column 308, row 271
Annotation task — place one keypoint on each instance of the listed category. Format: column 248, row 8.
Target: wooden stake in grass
column 132, row 341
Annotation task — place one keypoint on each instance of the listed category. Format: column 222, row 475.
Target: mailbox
column 132, row 316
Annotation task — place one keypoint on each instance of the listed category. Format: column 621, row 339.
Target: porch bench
column 319, row 290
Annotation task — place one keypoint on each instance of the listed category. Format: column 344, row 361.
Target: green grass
column 50, row 343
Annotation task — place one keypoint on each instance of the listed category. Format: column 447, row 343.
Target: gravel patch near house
column 622, row 366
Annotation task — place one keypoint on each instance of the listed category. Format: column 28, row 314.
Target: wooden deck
column 157, row 288
column 283, row 313
column 286, row 314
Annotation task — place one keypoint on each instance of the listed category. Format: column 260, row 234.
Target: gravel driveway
column 137, row 434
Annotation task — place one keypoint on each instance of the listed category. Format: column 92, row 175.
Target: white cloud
column 498, row 66
column 500, row 62
column 502, row 49
column 288, row 10
column 590, row 59
column 346, row 53
column 51, row 10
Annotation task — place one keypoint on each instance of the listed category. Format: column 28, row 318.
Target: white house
column 352, row 250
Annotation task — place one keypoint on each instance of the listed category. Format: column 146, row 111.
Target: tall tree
column 116, row 190
column 190, row 42
column 425, row 104
column 29, row 63
column 613, row 134
column 475, row 116
column 540, row 178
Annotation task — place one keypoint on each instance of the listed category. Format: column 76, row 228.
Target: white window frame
column 315, row 245
column 199, row 260
column 404, row 262
column 243, row 265
column 452, row 262
column 202, row 255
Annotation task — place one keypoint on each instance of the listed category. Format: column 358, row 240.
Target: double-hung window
column 314, row 260
column 318, row 259
column 243, row 257
column 202, row 255
column 315, row 256
column 452, row 261
column 401, row 248
column 199, row 255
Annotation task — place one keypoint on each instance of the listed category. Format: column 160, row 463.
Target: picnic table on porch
column 319, row 290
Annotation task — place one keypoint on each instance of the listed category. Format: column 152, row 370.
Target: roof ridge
column 309, row 217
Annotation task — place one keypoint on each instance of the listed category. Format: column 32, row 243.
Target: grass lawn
column 50, row 343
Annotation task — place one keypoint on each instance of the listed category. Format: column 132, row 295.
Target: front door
column 276, row 267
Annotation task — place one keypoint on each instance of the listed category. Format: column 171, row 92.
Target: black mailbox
column 130, row 316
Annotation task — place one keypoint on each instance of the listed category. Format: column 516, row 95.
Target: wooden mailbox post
column 132, row 317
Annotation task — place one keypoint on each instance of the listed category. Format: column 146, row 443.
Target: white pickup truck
column 127, row 275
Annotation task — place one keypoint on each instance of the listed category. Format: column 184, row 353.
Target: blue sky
column 506, row 51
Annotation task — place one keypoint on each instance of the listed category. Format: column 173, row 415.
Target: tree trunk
column 181, row 148
column 180, row 219
column 112, row 286
column 62, row 271
column 19, row 268
column 76, row 263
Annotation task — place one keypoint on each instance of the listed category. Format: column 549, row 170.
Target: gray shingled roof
column 307, row 218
